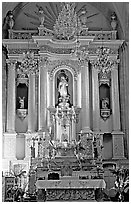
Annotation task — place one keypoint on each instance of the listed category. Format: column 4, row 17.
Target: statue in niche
column 21, row 101
column 63, row 95
column 105, row 103
column 63, row 87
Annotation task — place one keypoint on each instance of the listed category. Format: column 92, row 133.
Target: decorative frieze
column 70, row 194
column 69, row 49
column 21, row 51
column 94, row 50
column 49, row 49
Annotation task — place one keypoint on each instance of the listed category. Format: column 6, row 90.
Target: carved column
column 51, row 92
column 11, row 96
column 95, row 99
column 85, row 98
column 79, row 90
column 73, row 130
column 31, row 104
column 48, row 101
column 74, row 93
column 117, row 135
column 115, row 98
column 124, row 92
column 4, row 91
column 42, row 95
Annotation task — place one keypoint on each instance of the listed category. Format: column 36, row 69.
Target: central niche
column 63, row 87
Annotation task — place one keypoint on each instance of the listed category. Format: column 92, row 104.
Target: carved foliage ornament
column 28, row 65
column 11, row 63
column 103, row 63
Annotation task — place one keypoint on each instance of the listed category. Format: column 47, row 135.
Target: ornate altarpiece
column 67, row 121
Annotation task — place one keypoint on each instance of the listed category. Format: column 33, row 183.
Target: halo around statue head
column 63, row 73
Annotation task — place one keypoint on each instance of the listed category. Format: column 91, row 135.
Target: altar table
column 67, row 190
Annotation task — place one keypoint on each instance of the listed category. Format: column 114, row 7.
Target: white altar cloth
column 66, row 184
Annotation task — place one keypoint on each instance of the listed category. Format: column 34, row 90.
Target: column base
column 11, row 132
column 118, row 145
column 86, row 142
column 9, row 146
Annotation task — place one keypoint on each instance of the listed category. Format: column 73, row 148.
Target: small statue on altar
column 21, row 101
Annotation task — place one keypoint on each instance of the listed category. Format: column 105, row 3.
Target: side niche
column 105, row 109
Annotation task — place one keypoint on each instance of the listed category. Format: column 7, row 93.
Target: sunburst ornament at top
column 68, row 24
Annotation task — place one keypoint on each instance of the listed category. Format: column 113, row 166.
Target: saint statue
column 105, row 103
column 21, row 101
column 63, row 87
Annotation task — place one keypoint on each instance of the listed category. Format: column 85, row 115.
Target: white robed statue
column 62, row 88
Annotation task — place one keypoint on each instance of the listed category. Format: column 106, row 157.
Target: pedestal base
column 10, row 145
column 118, row 145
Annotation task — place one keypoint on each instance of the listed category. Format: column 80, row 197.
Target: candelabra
column 65, row 114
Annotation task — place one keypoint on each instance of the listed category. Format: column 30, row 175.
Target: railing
column 42, row 31
column 22, row 34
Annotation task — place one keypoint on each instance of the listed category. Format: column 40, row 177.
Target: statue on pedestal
column 62, row 88
column 21, row 101
column 105, row 103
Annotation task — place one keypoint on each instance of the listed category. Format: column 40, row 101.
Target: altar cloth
column 66, row 184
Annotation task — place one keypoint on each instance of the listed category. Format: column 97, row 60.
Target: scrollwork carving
column 11, row 63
